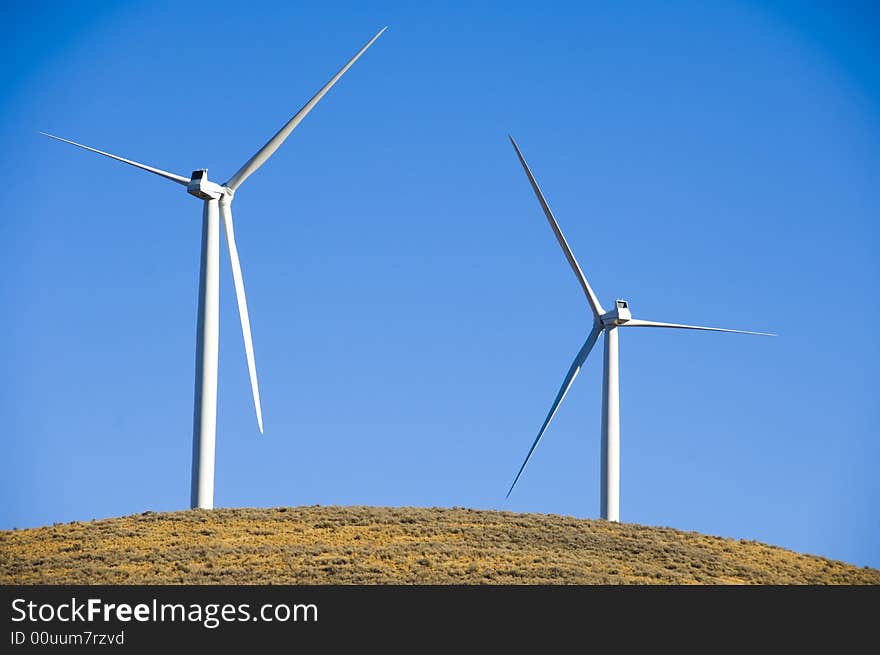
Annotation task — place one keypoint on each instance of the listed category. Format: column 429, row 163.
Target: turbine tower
column 607, row 323
column 217, row 207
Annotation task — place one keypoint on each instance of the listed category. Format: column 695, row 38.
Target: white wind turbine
column 607, row 323
column 218, row 205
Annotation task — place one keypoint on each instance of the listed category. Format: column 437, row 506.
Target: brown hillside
column 342, row 545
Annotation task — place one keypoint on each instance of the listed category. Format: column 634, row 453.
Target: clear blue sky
column 713, row 163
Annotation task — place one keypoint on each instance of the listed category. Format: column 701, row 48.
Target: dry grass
column 347, row 545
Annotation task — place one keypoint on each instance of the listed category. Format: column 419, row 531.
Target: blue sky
column 713, row 163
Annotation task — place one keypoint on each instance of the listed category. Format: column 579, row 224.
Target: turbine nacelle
column 200, row 187
column 617, row 316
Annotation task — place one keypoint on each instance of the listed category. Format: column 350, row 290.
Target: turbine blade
column 275, row 142
column 569, row 255
column 226, row 214
column 579, row 360
column 639, row 323
column 158, row 171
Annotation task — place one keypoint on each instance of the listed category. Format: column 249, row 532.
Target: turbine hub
column 617, row 316
column 201, row 187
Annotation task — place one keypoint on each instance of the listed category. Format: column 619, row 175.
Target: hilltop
column 348, row 545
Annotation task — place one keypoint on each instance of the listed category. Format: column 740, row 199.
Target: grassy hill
column 343, row 545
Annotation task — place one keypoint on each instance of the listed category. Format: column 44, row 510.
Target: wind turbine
column 606, row 323
column 217, row 205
